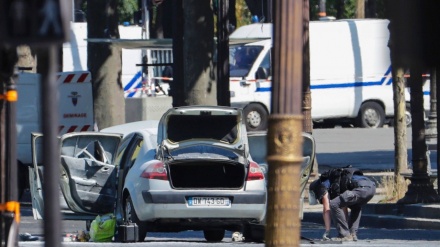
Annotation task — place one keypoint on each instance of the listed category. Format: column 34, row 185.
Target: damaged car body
column 190, row 171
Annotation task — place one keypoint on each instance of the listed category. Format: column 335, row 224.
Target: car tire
column 371, row 115
column 131, row 217
column 254, row 233
column 408, row 118
column 255, row 117
column 214, row 235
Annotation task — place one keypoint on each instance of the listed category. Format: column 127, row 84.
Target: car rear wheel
column 131, row 217
column 214, row 235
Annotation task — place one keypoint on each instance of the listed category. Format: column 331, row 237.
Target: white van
column 75, row 111
column 350, row 73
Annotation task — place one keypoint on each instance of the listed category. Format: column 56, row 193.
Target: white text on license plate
column 208, row 201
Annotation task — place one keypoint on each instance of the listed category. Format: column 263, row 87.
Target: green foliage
column 243, row 13
column 126, row 10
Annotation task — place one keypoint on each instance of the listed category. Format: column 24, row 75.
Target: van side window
column 264, row 71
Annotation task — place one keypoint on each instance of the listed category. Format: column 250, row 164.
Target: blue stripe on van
column 131, row 84
column 346, row 85
column 139, row 85
column 263, row 89
column 386, row 78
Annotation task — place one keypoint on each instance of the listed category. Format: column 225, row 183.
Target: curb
column 392, row 216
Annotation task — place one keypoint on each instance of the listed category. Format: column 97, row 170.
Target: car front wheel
column 131, row 217
column 214, row 235
column 255, row 117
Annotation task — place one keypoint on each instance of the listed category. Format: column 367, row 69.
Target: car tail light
column 255, row 172
column 155, row 171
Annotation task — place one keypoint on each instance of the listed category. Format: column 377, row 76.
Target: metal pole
column 177, row 86
column 284, row 152
column 11, row 160
column 223, row 94
column 322, row 8
column 437, row 92
column 420, row 190
column 51, row 156
column 431, row 126
column 9, row 206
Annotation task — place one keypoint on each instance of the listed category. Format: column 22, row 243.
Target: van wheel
column 131, row 217
column 255, row 116
column 371, row 115
column 408, row 118
column 214, row 235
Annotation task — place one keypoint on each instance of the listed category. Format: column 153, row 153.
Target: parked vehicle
column 75, row 112
column 191, row 171
column 350, row 73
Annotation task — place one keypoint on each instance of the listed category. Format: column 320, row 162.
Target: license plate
column 208, row 201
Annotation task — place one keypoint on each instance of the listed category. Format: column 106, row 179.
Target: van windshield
column 241, row 59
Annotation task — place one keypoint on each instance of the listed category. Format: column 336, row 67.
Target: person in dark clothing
column 353, row 198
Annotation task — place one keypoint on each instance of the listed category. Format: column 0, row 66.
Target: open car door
column 258, row 151
column 88, row 175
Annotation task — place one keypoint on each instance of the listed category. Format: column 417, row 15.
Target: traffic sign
column 37, row 22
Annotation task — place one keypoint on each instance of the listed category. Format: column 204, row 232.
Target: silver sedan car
column 190, row 171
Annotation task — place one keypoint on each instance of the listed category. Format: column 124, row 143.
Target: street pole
column 223, row 94
column 437, row 92
column 51, row 155
column 9, row 205
column 284, row 154
column 420, row 190
column 431, row 125
column 177, row 86
column 11, row 161
column 322, row 8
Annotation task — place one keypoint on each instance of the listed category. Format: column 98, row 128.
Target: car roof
column 127, row 128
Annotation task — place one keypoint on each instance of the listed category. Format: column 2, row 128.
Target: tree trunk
column 199, row 77
column 307, row 94
column 360, row 9
column 105, row 63
column 400, row 136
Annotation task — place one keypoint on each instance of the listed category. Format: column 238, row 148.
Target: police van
column 350, row 73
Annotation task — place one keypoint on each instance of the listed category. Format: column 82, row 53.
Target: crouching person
column 339, row 190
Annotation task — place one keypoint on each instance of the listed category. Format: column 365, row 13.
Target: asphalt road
column 367, row 149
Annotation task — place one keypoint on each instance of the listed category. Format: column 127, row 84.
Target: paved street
column 367, row 149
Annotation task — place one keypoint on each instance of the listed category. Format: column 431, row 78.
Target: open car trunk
column 206, row 174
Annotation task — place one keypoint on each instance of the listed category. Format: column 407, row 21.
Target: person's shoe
column 355, row 238
column 27, row 237
column 343, row 239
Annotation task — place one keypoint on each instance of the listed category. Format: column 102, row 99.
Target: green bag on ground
column 102, row 228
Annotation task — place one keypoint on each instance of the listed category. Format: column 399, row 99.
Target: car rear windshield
column 218, row 127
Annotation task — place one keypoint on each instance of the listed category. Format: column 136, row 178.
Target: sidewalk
column 387, row 215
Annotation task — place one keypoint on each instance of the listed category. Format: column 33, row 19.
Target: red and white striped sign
column 76, row 102
column 74, row 77
column 74, row 128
